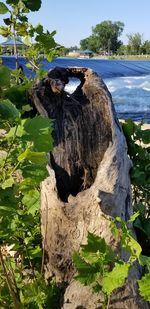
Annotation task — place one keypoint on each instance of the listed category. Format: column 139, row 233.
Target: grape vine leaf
column 87, row 273
column 8, row 110
column 32, row 5
column 31, row 199
column 95, row 248
column 116, row 278
column 144, row 287
column 34, row 157
column 39, row 130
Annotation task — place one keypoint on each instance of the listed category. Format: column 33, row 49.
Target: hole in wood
column 81, row 126
column 72, row 85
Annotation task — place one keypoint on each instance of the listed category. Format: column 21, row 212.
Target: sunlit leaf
column 115, row 278
column 8, row 183
column 4, row 31
column 34, row 157
column 144, row 287
column 133, row 217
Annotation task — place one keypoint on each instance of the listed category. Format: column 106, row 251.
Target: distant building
column 83, row 54
column 86, row 53
column 8, row 46
column 74, row 53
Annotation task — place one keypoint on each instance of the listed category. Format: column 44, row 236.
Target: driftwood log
column 88, row 178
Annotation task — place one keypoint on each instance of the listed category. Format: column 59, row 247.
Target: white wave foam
column 130, row 94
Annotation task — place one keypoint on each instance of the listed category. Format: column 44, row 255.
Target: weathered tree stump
column 88, row 178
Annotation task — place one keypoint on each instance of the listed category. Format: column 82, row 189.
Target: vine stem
column 15, row 47
column 108, row 301
column 16, row 128
column 33, row 64
column 16, row 302
column 43, row 255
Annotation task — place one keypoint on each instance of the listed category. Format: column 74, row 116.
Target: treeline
column 105, row 39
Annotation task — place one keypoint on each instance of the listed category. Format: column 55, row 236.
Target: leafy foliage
column 24, row 143
column 23, row 148
column 138, row 148
column 17, row 25
column 97, row 265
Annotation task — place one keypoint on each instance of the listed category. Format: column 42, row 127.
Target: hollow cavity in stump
column 82, row 128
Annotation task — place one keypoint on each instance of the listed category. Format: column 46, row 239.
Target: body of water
column 127, row 80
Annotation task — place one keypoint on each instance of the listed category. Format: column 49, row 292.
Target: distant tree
column 89, row 43
column 107, row 34
column 72, row 48
column 135, row 43
column 122, row 50
column 145, row 48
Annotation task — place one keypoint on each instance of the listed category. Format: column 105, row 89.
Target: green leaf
column 145, row 261
column 41, row 73
column 146, row 136
column 23, row 18
column 144, row 287
column 128, row 128
column 95, row 243
column 7, row 21
column 132, row 246
column 32, row 5
column 87, row 273
column 8, row 111
column 33, row 174
column 8, row 183
column 27, row 108
column 5, row 74
column 7, row 197
column 27, row 41
column 12, row 1
column 34, row 157
column 18, row 131
column 39, row 29
column 32, row 200
column 3, row 8
column 39, row 130
column 19, row 95
column 34, row 253
column 115, row 278
column 29, row 65
column 96, row 249
column 7, row 211
column 5, row 31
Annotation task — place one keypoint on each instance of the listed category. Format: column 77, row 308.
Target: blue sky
column 73, row 19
